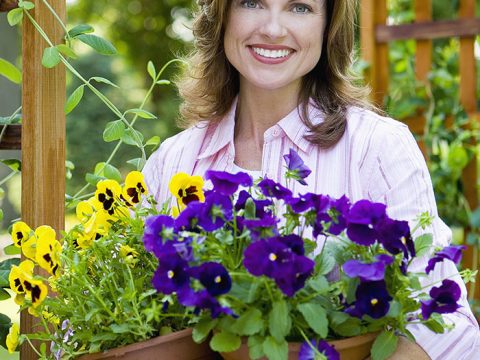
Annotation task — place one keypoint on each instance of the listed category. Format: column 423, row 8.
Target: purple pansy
column 368, row 272
column 293, row 274
column 260, row 205
column 273, row 189
column 304, row 202
column 307, row 353
column 362, row 219
column 395, row 237
column 214, row 277
column 172, row 271
column 226, row 183
column 293, row 242
column 158, row 229
column 453, row 253
column 296, row 167
column 265, row 227
column 338, row 213
column 372, row 299
column 265, row 257
column 188, row 219
column 202, row 300
column 215, row 211
column 443, row 299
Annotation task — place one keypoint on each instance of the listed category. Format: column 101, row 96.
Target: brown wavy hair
column 209, row 83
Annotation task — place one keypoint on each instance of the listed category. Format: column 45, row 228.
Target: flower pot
column 178, row 345
column 354, row 348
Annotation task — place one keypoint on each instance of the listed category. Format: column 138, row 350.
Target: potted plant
column 98, row 293
column 242, row 257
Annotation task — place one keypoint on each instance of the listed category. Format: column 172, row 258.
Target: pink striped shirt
column 376, row 159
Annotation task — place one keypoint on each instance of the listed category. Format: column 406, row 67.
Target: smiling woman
column 268, row 76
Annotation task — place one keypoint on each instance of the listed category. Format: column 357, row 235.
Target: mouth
column 278, row 53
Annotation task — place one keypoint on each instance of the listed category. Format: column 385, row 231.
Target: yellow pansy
column 48, row 250
column 97, row 226
column 21, row 232
column 35, row 291
column 12, row 338
column 129, row 254
column 29, row 247
column 186, row 188
column 108, row 193
column 134, row 187
column 50, row 317
column 85, row 209
column 18, row 274
column 175, row 211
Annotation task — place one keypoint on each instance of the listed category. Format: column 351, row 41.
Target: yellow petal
column 48, row 250
column 12, row 338
column 20, row 233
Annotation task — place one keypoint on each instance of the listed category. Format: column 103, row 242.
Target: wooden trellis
column 375, row 36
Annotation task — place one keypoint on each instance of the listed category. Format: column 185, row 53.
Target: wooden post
column 43, row 133
column 468, row 98
column 373, row 13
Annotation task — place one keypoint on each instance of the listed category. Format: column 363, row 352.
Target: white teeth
column 273, row 54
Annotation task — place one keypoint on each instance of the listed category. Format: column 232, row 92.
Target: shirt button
column 276, row 132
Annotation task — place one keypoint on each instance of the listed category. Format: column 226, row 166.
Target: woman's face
column 274, row 43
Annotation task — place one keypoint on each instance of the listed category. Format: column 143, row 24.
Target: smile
column 271, row 54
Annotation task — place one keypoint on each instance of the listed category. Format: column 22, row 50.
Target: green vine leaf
column 114, row 130
column 74, row 99
column 12, row 250
column 4, row 295
column 139, row 163
column 14, row 164
column 80, row 29
column 5, row 267
column 103, row 80
column 225, row 342
column 51, row 57
column 249, row 323
column 151, row 70
column 15, row 16
column 98, row 44
column 385, row 345
column 67, row 51
column 9, row 70
column 133, row 137
column 153, row 141
column 27, row 5
column 144, row 114
column 5, row 324
column 163, row 82
column 423, row 244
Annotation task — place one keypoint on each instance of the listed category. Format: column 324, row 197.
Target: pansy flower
column 273, row 189
column 216, row 210
column 265, row 257
column 202, row 300
column 48, row 250
column 296, row 168
column 12, row 338
column 262, row 228
column 129, row 254
column 186, row 189
column 395, row 237
column 452, row 253
column 21, row 232
column 443, row 299
column 307, row 353
column 362, row 220
column 158, row 230
column 226, row 183
column 134, row 188
column 214, row 277
column 338, row 213
column 188, row 219
column 108, row 194
column 368, row 271
column 172, row 273
column 18, row 273
column 260, row 205
column 292, row 275
column 373, row 300
column 22, row 282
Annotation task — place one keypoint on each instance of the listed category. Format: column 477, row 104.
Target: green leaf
column 249, row 323
column 384, row 345
column 97, row 43
column 457, row 158
column 4, row 295
column 14, row 164
column 103, row 80
column 255, row 347
column 139, row 163
column 80, row 29
column 319, row 284
column 5, row 324
column 316, row 317
column 5, row 267
column 163, row 82
column 133, row 137
column 344, row 324
column 141, row 113
column 27, row 5
column 10, row 71
column 121, row 328
column 51, row 57
column 275, row 350
column 114, row 130
column 111, row 172
column 151, row 70
column 67, row 51
column 12, row 250
column 225, row 342
column 423, row 244
column 74, row 99
column 436, row 323
column 153, row 141
column 93, row 179
column 324, row 263
column 279, row 322
column 15, row 16
column 202, row 329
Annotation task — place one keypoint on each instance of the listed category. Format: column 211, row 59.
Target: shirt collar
column 221, row 134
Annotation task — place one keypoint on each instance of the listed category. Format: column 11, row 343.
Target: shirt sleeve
column 399, row 177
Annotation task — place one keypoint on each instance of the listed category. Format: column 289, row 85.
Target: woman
column 270, row 75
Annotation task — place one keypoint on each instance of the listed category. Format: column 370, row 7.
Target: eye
column 301, row 8
column 249, row 4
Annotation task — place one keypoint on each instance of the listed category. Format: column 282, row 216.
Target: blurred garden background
column 144, row 30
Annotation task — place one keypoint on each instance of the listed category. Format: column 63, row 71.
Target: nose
column 273, row 27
